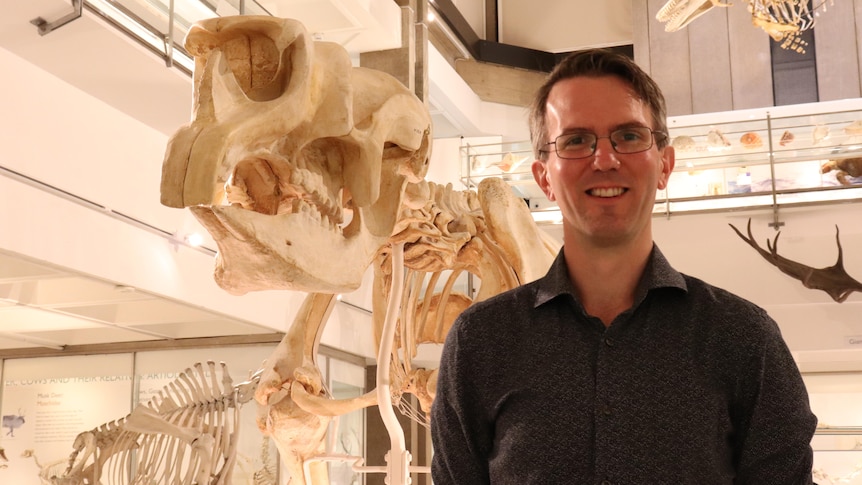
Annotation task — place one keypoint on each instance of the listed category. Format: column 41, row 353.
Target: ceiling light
column 547, row 217
column 194, row 239
column 142, row 33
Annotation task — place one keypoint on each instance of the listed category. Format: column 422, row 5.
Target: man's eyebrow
column 576, row 129
column 580, row 129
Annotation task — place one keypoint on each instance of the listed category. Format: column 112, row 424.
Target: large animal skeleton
column 783, row 20
column 306, row 171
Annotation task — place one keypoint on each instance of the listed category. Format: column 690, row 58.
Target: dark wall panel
column 710, row 63
column 669, row 62
column 750, row 61
column 835, row 35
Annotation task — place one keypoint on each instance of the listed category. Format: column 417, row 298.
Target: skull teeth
column 255, row 186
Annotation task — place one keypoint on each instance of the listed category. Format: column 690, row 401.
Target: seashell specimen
column 683, row 143
column 715, row 138
column 510, row 162
column 751, row 140
column 820, row 133
column 854, row 128
column 786, row 138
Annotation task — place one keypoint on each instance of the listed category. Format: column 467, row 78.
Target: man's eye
column 629, row 135
column 575, row 140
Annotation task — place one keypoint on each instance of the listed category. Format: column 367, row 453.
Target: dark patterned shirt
column 692, row 385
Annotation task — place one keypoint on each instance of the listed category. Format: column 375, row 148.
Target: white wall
column 58, row 135
column 565, row 26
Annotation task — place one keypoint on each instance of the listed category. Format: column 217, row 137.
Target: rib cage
column 187, row 434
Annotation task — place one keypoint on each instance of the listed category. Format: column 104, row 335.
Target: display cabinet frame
column 769, row 157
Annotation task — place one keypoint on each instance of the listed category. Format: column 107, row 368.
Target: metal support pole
column 775, row 224
column 46, row 27
column 169, row 38
column 398, row 458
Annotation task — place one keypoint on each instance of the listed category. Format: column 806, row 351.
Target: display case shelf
column 838, row 438
column 724, row 161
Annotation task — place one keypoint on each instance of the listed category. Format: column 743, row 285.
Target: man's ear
column 668, row 159
column 540, row 175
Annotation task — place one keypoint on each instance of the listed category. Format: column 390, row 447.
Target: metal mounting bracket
column 46, row 27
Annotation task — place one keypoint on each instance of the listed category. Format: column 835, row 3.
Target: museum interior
column 108, row 296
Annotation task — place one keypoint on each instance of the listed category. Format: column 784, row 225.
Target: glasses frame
column 653, row 140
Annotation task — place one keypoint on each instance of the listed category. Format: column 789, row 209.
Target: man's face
column 606, row 198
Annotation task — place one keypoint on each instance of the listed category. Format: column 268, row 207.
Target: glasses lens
column 625, row 140
column 631, row 140
column 575, row 145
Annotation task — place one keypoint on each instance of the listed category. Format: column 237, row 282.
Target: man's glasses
column 625, row 140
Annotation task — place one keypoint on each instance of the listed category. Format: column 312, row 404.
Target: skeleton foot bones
column 294, row 407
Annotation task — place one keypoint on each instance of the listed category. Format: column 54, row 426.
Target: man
column 614, row 368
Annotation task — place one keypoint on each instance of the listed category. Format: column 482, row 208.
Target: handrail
column 45, row 27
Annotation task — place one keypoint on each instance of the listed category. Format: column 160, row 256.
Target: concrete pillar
column 409, row 63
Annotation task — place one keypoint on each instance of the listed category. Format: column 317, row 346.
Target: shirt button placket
column 604, row 411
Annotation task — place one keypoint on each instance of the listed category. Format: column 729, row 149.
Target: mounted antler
column 834, row 280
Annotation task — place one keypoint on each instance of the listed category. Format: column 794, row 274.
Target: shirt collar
column 657, row 274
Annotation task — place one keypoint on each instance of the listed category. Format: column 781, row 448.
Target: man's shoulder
column 706, row 293
column 725, row 309
column 516, row 297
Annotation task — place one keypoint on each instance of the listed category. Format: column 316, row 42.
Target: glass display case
column 755, row 158
column 837, row 442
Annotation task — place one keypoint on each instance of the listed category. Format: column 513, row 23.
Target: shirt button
column 606, row 410
column 606, row 482
column 609, row 341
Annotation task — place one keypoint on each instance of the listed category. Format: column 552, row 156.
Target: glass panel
column 47, row 402
column 346, row 433
column 837, row 443
column 724, row 161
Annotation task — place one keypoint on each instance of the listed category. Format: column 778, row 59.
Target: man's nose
column 605, row 157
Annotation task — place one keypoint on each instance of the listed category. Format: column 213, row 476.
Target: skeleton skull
column 294, row 161
column 677, row 14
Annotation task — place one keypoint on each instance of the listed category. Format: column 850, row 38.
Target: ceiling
column 52, row 308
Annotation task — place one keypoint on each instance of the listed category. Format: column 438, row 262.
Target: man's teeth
column 607, row 192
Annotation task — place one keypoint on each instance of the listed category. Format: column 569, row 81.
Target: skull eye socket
column 259, row 68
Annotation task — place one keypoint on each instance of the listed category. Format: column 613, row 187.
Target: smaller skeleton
column 268, row 472
column 844, row 168
column 49, row 472
column 187, row 434
column 783, row 20
column 679, row 13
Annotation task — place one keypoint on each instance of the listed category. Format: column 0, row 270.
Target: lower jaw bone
column 293, row 252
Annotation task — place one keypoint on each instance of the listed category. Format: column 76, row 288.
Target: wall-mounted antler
column 834, row 280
